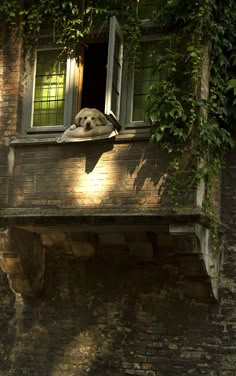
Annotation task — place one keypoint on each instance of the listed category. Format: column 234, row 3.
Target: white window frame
column 29, row 90
column 114, row 31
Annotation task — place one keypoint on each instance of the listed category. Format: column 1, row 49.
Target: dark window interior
column 94, row 80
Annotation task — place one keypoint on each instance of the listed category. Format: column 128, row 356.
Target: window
column 141, row 78
column 56, row 87
column 143, row 75
column 50, row 88
column 147, row 9
column 114, row 70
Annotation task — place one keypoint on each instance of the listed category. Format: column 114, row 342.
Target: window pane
column 139, row 107
column 116, row 76
column 147, row 9
column 114, row 70
column 145, row 76
column 49, row 94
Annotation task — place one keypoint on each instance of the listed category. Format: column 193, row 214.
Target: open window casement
column 56, row 87
column 114, row 72
column 99, row 84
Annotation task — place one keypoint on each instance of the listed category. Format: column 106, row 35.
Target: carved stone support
column 80, row 244
column 22, row 257
column 195, row 239
column 142, row 244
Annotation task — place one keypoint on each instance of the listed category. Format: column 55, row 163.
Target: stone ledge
column 188, row 230
column 39, row 139
column 92, row 216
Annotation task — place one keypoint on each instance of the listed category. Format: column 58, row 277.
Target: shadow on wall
column 152, row 173
column 152, row 165
column 93, row 158
column 105, row 318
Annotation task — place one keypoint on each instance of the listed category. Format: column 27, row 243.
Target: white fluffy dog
column 89, row 118
column 89, row 124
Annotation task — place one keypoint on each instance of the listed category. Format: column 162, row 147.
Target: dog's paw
column 73, row 126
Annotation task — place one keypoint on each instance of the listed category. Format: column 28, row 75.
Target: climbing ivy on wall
column 182, row 120
column 196, row 125
column 200, row 127
column 70, row 21
column 181, row 117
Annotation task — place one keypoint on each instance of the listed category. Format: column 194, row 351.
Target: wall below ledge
column 181, row 241
column 99, row 176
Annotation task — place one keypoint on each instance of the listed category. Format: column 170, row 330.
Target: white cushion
column 80, row 134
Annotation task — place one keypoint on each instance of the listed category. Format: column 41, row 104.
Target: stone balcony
column 105, row 200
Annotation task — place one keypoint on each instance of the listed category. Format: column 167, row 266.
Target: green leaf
column 158, row 136
column 231, row 84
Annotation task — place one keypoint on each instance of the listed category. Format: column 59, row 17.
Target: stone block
column 140, row 249
column 53, row 239
column 82, row 249
column 112, row 238
column 11, row 264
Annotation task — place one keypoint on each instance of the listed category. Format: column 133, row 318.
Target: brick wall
column 101, row 176
column 3, row 175
column 11, row 91
column 11, row 83
column 112, row 317
column 7, row 324
column 106, row 319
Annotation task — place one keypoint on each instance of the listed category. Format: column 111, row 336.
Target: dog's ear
column 79, row 116
column 102, row 119
column 78, row 120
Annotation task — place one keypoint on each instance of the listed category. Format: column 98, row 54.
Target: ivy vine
column 71, row 21
column 182, row 118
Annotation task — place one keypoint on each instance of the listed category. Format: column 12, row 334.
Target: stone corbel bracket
column 22, row 257
column 195, row 239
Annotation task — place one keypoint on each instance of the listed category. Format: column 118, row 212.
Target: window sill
column 45, row 129
column 125, row 135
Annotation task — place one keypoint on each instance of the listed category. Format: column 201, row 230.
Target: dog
column 89, row 118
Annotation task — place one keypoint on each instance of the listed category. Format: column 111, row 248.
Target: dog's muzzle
column 88, row 125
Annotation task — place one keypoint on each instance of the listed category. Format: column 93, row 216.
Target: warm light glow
column 93, row 184
column 83, row 347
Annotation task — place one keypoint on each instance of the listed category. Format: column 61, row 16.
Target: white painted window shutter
column 114, row 71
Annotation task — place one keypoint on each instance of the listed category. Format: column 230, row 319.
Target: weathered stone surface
column 22, row 258
column 195, row 239
column 104, row 318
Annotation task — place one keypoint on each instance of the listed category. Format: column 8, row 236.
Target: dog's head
column 89, row 118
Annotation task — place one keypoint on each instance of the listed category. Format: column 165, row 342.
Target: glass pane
column 114, row 69
column 49, row 94
column 145, row 76
column 143, row 79
column 139, row 107
column 147, row 9
column 116, row 76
